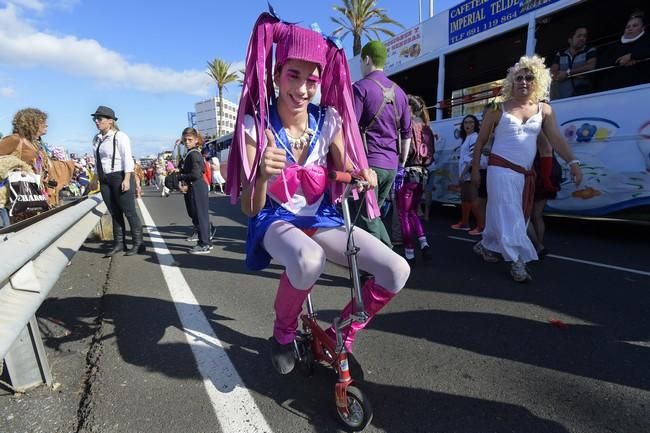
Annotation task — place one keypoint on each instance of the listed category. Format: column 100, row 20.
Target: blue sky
column 145, row 59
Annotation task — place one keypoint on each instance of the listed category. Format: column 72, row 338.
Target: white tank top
column 515, row 140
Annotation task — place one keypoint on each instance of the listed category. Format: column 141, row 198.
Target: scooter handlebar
column 347, row 178
column 340, row 176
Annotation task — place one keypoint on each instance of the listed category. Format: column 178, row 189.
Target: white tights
column 304, row 257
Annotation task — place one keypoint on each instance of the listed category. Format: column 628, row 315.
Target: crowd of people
column 284, row 146
column 282, row 151
column 574, row 68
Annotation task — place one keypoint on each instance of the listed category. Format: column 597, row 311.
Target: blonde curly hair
column 27, row 122
column 541, row 85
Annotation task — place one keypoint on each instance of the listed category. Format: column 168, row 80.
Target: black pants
column 196, row 203
column 120, row 204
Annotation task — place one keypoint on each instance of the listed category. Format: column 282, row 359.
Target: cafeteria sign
column 475, row 16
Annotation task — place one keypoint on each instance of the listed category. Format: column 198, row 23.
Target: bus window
column 478, row 67
column 605, row 25
column 471, row 100
column 421, row 80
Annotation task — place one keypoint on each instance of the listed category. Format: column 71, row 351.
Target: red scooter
column 315, row 345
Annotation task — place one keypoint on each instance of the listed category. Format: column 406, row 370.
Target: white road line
column 233, row 405
column 571, row 259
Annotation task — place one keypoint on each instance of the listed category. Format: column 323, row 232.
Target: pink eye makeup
column 313, row 79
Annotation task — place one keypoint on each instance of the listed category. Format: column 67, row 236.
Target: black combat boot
column 138, row 245
column 119, row 243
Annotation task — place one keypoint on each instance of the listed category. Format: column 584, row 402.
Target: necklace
column 303, row 140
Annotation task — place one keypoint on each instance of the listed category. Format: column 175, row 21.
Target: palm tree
column 362, row 18
column 219, row 70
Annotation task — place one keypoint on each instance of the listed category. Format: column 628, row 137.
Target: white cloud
column 23, row 45
column 36, row 5
column 40, row 5
column 7, row 92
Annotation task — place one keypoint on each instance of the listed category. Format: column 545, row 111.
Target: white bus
column 220, row 147
column 456, row 59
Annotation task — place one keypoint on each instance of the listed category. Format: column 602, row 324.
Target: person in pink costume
column 283, row 147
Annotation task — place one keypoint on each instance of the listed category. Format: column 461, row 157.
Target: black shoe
column 117, row 248
column 426, row 253
column 119, row 243
column 282, row 356
column 139, row 249
column 194, row 237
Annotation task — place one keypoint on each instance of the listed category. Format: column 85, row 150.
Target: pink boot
column 374, row 299
column 288, row 305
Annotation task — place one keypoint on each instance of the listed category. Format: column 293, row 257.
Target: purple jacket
column 381, row 136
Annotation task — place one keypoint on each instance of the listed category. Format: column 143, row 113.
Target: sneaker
column 460, row 226
column 201, row 249
column 476, row 231
column 487, row 255
column 282, row 356
column 519, row 273
column 213, row 232
column 194, row 237
column 426, row 253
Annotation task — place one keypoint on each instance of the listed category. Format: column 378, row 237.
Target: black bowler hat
column 105, row 112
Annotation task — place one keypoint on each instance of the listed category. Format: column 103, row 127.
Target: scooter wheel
column 360, row 411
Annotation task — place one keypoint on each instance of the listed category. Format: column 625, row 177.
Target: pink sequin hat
column 301, row 44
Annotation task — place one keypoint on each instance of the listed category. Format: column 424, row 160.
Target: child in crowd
column 195, row 190
column 282, row 149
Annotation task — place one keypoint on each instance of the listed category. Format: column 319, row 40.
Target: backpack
column 388, row 99
column 207, row 172
column 423, row 145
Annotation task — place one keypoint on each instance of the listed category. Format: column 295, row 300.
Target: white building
column 207, row 117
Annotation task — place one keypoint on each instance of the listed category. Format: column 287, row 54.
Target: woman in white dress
column 510, row 179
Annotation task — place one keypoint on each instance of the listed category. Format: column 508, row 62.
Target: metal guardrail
column 31, row 262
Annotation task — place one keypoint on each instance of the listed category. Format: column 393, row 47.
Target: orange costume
column 59, row 171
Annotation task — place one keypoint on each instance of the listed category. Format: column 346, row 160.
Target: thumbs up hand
column 273, row 159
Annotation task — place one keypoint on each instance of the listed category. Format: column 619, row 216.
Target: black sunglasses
column 528, row 78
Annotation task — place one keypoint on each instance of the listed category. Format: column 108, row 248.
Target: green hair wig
column 377, row 52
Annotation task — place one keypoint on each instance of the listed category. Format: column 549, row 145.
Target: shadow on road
column 139, row 324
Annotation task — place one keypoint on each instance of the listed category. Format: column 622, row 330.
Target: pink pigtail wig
column 258, row 93
column 256, row 96
column 336, row 91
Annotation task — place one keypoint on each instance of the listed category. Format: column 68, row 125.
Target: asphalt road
column 182, row 347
